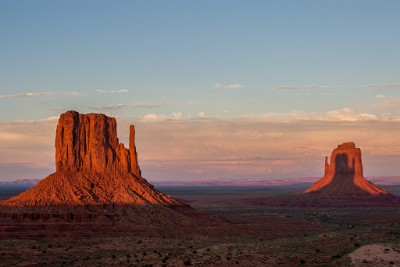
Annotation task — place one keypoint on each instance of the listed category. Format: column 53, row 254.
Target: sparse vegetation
column 308, row 242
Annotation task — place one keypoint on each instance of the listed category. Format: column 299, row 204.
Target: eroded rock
column 343, row 176
column 92, row 168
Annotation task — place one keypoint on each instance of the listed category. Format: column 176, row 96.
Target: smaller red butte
column 344, row 175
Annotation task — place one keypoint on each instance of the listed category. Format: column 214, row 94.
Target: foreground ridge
column 92, row 168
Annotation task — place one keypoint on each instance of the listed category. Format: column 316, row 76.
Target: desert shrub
column 187, row 262
column 302, row 261
column 357, row 245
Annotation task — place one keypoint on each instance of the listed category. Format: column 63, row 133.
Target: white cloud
column 201, row 114
column 27, row 95
column 286, row 87
column 236, row 85
column 387, row 85
column 228, row 86
column 308, row 86
column 53, row 118
column 157, row 118
column 112, row 91
column 109, row 107
column 153, row 118
column 74, row 93
column 347, row 114
column 176, row 115
column 380, row 96
column 238, row 149
column 344, row 114
column 143, row 105
column 120, row 106
column 246, row 148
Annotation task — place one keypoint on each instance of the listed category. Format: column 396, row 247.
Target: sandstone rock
column 89, row 142
column 343, row 177
column 92, row 168
column 134, row 166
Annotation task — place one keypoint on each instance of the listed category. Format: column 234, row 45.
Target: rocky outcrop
column 92, row 168
column 88, row 142
column 343, row 176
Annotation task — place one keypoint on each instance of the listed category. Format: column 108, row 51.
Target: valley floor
column 261, row 236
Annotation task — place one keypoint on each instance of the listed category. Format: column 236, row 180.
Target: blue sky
column 176, row 51
column 152, row 61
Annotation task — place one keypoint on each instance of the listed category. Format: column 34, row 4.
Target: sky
column 218, row 90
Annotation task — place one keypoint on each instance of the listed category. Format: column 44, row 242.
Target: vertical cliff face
column 345, row 160
column 343, row 176
column 89, row 142
column 92, row 167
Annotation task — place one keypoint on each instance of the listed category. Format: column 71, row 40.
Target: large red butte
column 92, row 168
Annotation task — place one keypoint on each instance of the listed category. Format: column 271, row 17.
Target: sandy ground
column 376, row 255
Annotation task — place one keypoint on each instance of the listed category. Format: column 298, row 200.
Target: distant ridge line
column 380, row 180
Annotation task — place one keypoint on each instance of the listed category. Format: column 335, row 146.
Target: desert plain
column 250, row 234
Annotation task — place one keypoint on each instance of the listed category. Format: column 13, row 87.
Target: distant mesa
column 92, row 168
column 343, row 177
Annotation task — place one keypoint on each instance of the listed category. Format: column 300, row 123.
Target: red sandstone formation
column 92, row 168
column 344, row 176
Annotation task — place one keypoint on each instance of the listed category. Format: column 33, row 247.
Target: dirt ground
column 376, row 255
column 252, row 235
